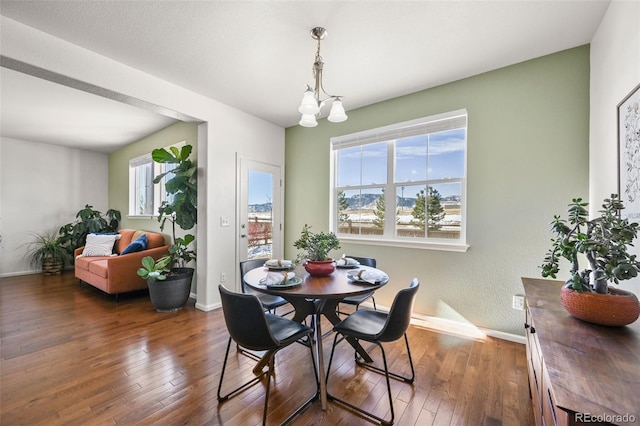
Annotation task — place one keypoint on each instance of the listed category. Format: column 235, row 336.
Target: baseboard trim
column 207, row 308
column 19, row 273
column 456, row 328
column 462, row 329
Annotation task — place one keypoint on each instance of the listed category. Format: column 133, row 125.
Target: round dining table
column 317, row 296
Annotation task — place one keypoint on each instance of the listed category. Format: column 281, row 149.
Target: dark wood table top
column 592, row 368
column 334, row 286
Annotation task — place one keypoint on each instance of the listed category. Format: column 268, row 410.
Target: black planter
column 171, row 294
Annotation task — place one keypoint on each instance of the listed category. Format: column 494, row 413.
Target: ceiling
column 256, row 56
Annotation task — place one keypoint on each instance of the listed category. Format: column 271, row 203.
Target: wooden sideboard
column 579, row 372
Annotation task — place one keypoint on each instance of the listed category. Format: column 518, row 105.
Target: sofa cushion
column 154, row 240
column 83, row 262
column 100, row 267
column 126, row 237
column 138, row 244
column 99, row 245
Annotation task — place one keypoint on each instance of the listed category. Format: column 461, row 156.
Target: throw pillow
column 99, row 245
column 138, row 245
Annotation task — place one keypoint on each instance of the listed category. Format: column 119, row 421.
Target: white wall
column 42, row 187
column 615, row 71
column 225, row 133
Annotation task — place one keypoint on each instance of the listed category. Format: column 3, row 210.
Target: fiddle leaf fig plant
column 602, row 241
column 180, row 208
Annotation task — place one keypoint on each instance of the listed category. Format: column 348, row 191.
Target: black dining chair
column 378, row 327
column 359, row 299
column 270, row 302
column 256, row 330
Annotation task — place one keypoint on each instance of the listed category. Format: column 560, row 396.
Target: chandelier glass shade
column 312, row 104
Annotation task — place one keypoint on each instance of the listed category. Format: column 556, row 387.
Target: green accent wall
column 527, row 157
column 119, row 169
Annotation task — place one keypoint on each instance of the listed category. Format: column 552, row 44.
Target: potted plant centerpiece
column 604, row 242
column 169, row 278
column 316, row 248
column 47, row 251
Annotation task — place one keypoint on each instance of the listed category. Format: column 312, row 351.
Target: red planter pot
column 320, row 267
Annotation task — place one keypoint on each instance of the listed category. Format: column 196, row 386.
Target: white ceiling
column 257, row 55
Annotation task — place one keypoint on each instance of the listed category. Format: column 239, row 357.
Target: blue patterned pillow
column 138, row 245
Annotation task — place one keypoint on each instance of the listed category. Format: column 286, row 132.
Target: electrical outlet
column 223, row 277
column 518, row 302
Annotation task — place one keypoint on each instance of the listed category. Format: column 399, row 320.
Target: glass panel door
column 260, row 211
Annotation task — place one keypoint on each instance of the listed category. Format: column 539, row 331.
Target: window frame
column 159, row 193
column 390, row 134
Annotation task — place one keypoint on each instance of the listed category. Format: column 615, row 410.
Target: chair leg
column 394, row 375
column 270, row 368
column 240, row 388
column 314, row 397
column 353, row 407
column 266, row 397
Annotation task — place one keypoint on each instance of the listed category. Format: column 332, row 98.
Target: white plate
column 356, row 279
column 357, row 265
column 278, row 268
column 295, row 281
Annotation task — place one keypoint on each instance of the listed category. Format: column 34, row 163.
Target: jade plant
column 316, row 246
column 603, row 241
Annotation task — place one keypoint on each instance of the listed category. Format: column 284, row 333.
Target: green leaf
column 161, row 155
column 148, row 263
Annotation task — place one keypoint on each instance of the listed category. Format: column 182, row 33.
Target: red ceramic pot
column 320, row 267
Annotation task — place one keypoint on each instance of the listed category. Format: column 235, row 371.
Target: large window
column 144, row 196
column 403, row 184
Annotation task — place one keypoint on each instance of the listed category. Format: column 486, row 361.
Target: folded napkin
column 274, row 278
column 278, row 263
column 372, row 277
column 346, row 261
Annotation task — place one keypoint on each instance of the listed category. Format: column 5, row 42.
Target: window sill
column 453, row 246
column 139, row 216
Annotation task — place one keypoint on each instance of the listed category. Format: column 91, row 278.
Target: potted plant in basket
column 316, row 248
column 169, row 278
column 604, row 242
column 46, row 251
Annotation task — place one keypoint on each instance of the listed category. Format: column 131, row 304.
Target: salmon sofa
column 117, row 273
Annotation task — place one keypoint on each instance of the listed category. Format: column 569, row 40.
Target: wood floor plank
column 71, row 355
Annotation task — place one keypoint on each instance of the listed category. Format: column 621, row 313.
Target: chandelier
column 311, row 103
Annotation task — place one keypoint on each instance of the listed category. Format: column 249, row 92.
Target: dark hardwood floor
column 72, row 355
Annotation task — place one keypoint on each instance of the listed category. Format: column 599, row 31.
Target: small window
column 144, row 196
column 403, row 184
column 141, row 186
